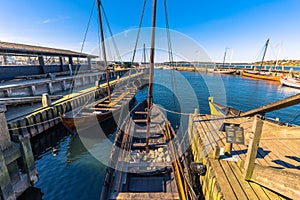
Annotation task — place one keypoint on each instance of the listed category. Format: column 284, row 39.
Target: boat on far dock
column 222, row 71
column 270, row 76
column 259, row 74
column 290, row 80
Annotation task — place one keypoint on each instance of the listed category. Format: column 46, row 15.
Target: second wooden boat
column 265, row 76
column 101, row 110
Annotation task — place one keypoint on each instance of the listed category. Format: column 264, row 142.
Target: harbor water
column 67, row 170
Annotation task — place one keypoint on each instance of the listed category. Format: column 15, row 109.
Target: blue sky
column 242, row 26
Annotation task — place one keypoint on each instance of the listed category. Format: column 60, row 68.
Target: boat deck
column 278, row 149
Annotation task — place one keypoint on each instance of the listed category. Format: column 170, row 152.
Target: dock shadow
column 294, row 158
column 261, row 153
column 286, row 164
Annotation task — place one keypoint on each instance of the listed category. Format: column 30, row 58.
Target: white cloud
column 47, row 21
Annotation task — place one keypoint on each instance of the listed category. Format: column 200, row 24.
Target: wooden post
column 97, row 85
column 5, row 141
column 61, row 63
column 46, row 101
column 89, row 63
column 4, row 60
column 228, row 149
column 42, row 64
column 6, row 188
column 28, row 158
column 216, row 152
column 253, row 147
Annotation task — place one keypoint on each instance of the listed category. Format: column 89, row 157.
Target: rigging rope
column 139, row 31
column 40, row 123
column 111, row 34
column 82, row 45
column 173, row 112
column 171, row 60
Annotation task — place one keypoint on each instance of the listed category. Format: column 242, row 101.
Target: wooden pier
column 48, row 116
column 38, row 87
column 266, row 166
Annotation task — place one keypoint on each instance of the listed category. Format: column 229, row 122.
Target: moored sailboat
column 270, row 76
column 291, row 80
column 222, row 70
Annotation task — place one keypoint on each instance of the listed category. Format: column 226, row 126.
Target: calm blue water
column 71, row 172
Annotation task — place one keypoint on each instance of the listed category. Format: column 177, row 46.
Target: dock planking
column 278, row 148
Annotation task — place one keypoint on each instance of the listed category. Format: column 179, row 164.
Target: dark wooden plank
column 283, row 103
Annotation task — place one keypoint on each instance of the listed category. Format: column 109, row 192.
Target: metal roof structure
column 13, row 48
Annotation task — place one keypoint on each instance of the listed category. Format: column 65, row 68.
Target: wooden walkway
column 279, row 149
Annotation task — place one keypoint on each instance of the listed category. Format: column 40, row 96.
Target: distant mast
column 224, row 57
column 103, row 49
column 265, row 51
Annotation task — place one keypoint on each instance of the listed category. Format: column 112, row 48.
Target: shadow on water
column 64, row 163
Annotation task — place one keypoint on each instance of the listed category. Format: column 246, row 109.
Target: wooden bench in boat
column 108, row 104
column 140, row 113
column 147, row 164
column 140, row 120
column 100, row 109
column 142, row 196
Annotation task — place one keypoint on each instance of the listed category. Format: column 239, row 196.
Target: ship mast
column 150, row 89
column 144, row 54
column 265, row 51
column 224, row 56
column 103, row 49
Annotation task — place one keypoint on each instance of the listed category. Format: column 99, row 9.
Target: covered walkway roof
column 15, row 49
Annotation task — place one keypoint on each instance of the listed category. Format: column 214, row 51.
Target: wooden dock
column 41, row 119
column 267, row 166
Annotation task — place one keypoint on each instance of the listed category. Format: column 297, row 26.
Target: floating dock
column 265, row 166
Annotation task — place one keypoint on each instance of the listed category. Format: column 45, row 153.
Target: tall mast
column 152, row 56
column 265, row 51
column 224, row 57
column 149, row 100
column 103, row 49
